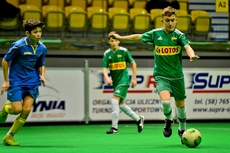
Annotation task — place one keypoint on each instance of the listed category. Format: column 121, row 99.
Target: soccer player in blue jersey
column 25, row 61
column 168, row 43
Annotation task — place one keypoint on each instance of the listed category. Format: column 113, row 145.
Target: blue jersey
column 25, row 61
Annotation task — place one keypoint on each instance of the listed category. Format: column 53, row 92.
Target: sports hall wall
column 76, row 91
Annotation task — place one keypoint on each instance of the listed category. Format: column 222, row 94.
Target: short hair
column 168, row 11
column 32, row 24
column 110, row 35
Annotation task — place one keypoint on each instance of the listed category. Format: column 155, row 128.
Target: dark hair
column 111, row 35
column 32, row 24
column 168, row 11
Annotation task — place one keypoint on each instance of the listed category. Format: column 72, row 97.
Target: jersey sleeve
column 129, row 57
column 147, row 37
column 105, row 63
column 41, row 59
column 13, row 52
column 183, row 40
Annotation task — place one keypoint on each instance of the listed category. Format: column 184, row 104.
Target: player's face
column 113, row 43
column 169, row 23
column 35, row 35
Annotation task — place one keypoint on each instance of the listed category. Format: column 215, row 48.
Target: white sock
column 181, row 114
column 128, row 111
column 115, row 113
column 167, row 109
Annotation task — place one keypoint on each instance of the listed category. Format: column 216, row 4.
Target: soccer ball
column 191, row 138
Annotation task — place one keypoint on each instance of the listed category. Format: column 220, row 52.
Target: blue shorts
column 19, row 93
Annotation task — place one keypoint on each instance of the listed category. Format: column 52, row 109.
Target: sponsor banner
column 61, row 100
column 208, row 95
column 143, row 99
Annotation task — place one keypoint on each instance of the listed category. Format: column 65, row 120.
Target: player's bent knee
column 16, row 111
column 165, row 102
column 180, row 105
column 166, row 98
column 26, row 110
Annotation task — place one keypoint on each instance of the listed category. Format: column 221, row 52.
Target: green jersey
column 116, row 62
column 167, row 52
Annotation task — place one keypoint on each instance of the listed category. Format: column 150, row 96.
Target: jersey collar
column 27, row 41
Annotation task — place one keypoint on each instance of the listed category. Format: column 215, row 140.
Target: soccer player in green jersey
column 115, row 60
column 168, row 43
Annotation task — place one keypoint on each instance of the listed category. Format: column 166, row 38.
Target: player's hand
column 109, row 81
column 5, row 87
column 194, row 58
column 117, row 36
column 134, row 83
column 43, row 80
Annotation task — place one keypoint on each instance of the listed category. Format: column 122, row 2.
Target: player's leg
column 167, row 110
column 181, row 114
column 6, row 109
column 127, row 110
column 138, row 118
column 16, row 108
column 115, row 115
column 19, row 122
column 24, row 108
column 164, row 91
column 13, row 94
column 179, row 95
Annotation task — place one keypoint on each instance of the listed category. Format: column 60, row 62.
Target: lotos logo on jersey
column 145, row 84
column 167, row 50
column 209, row 83
column 117, row 66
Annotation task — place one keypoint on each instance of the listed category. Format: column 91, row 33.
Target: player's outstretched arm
column 191, row 53
column 128, row 37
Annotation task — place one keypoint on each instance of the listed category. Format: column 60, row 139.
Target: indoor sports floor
column 92, row 138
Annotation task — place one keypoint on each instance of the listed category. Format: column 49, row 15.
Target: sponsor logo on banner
column 143, row 99
column 146, row 81
column 207, row 92
column 41, row 109
column 206, row 82
column 48, row 104
column 59, row 100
